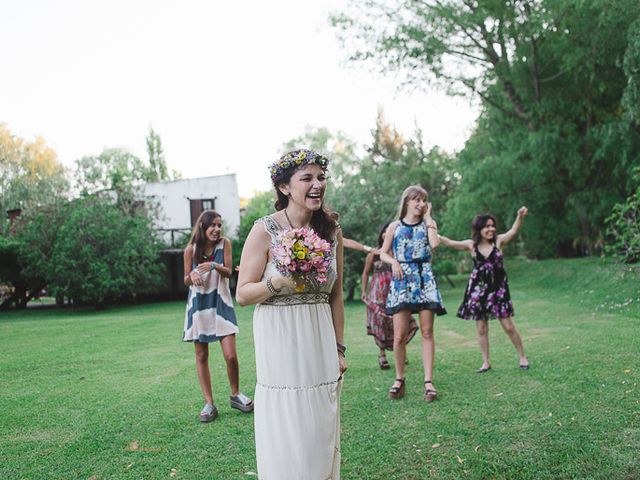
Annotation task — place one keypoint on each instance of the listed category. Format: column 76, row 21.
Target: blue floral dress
column 418, row 289
column 487, row 295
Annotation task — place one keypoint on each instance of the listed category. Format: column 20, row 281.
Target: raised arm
column 507, row 236
column 251, row 289
column 456, row 244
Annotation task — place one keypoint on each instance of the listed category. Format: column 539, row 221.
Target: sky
column 224, row 84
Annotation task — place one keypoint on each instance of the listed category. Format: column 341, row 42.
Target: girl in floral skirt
column 487, row 295
column 374, row 296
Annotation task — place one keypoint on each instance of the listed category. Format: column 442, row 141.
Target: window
column 199, row 205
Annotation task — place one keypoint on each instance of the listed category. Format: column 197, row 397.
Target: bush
column 11, row 278
column 90, row 250
column 624, row 226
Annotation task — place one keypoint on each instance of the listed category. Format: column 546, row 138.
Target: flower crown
column 296, row 159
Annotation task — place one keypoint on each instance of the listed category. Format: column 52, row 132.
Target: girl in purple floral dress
column 487, row 295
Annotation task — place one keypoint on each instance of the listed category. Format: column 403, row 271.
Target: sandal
column 483, row 369
column 241, row 402
column 429, row 393
column 384, row 364
column 396, row 393
column 208, row 413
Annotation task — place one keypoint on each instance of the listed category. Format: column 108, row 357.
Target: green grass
column 114, row 394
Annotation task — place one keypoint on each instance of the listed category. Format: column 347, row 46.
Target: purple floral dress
column 487, row 295
column 379, row 324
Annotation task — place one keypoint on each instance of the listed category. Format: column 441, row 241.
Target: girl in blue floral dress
column 414, row 288
column 487, row 295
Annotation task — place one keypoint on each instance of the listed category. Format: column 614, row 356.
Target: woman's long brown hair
column 198, row 237
column 478, row 223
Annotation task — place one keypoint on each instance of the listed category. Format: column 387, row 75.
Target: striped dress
column 209, row 315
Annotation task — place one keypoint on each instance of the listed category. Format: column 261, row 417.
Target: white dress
column 297, row 414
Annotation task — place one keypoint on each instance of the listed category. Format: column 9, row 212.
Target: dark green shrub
column 102, row 254
column 624, row 226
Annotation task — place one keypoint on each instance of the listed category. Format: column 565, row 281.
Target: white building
column 181, row 201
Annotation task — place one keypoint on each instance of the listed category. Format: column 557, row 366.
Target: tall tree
column 156, row 170
column 337, row 146
column 30, row 173
column 549, row 77
column 367, row 195
column 114, row 169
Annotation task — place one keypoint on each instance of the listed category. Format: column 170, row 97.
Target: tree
column 624, row 226
column 336, row 146
column 100, row 255
column 30, row 173
column 11, row 275
column 367, row 195
column 157, row 170
column 31, row 245
column 259, row 206
column 115, row 169
column 548, row 75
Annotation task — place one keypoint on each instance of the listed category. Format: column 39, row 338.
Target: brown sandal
column 384, row 364
column 396, row 393
column 429, row 393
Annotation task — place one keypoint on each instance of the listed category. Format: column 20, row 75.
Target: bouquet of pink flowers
column 303, row 254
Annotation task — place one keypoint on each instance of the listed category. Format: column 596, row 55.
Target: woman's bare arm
column 457, row 244
column 251, row 289
column 368, row 266
column 507, row 236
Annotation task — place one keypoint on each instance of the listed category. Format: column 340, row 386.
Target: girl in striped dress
column 209, row 316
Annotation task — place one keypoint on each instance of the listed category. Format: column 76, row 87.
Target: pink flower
column 305, row 266
column 302, row 251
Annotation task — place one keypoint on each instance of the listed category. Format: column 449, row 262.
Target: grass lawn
column 114, row 394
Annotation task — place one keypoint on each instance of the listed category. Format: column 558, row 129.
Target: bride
column 298, row 336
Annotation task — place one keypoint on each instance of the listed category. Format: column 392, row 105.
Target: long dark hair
column 323, row 221
column 381, row 240
column 478, row 223
column 198, row 237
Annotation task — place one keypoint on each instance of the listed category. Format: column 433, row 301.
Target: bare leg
column 228, row 345
column 510, row 329
column 202, row 367
column 400, row 327
column 382, row 360
column 482, row 326
column 428, row 343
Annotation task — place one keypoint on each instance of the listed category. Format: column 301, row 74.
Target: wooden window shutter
column 196, row 210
